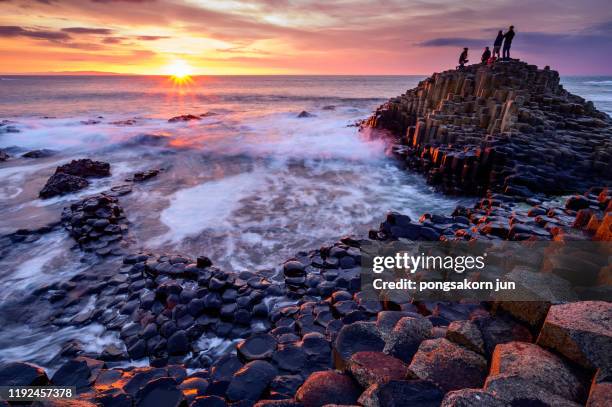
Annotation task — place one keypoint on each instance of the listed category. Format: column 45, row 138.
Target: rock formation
column 510, row 127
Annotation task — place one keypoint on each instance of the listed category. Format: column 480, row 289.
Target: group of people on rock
column 489, row 58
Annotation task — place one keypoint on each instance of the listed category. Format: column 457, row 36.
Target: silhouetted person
column 463, row 58
column 508, row 42
column 498, row 43
column 485, row 55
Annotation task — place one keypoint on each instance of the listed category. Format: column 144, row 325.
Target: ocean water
column 248, row 185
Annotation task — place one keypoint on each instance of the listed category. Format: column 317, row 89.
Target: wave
column 606, row 82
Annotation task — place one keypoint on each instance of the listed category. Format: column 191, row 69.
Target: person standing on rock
column 508, row 42
column 485, row 56
column 463, row 58
column 498, row 43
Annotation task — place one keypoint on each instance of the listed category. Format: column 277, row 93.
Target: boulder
column 402, row 393
column 251, row 381
column 406, row 336
column 542, row 368
column 22, row 374
column 61, row 184
column 80, row 372
column 580, row 331
column 466, row 333
column 328, row 387
column 356, row 337
column 369, row 368
column 85, row 168
column 449, row 365
column 259, row 346
column 472, row 398
column 521, row 392
column 160, row 392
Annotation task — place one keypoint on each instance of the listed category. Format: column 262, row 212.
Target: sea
column 249, row 185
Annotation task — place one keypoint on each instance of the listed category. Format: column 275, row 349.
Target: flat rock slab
column 580, row 331
column 328, row 387
column 400, row 393
column 22, row 374
column 542, row 368
column 259, row 346
column 369, row 368
column 250, row 381
column 449, row 365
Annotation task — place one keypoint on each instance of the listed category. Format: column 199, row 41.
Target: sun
column 179, row 71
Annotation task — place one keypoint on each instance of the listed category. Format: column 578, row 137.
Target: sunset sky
column 296, row 36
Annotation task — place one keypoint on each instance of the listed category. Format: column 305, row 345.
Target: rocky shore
column 306, row 335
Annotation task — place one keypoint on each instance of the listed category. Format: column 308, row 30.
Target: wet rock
column 538, row 366
column 160, row 392
column 225, row 367
column 304, row 114
column 61, row 184
column 402, row 393
column 406, row 336
column 577, row 202
column 193, row 387
column 85, row 168
column 183, row 118
column 356, row 337
column 328, row 387
column 580, row 331
column 4, row 156
column 250, row 381
column 369, row 368
column 450, row 366
column 290, row 358
column 520, row 392
column 22, row 374
column 43, row 153
column 471, row 398
column 80, row 372
column 178, row 343
column 286, row 384
column 466, row 333
column 259, row 346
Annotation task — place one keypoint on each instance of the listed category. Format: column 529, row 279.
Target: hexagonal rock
column 406, row 336
column 499, row 330
column 250, row 381
column 328, row 387
column 356, row 337
column 531, row 312
column 449, row 365
column 580, row 331
column 539, row 366
column 160, row 392
column 466, row 333
column 472, row 398
column 521, row 392
column 420, row 393
column 259, row 346
column 369, row 368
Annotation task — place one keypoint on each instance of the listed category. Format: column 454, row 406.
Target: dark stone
column 259, row 346
column 357, row 337
column 80, row 372
column 22, row 374
column 397, row 393
column 225, row 367
column 42, row 153
column 304, row 114
column 184, row 118
column 290, row 357
column 178, row 344
column 203, row 262
column 85, row 168
column 251, row 381
column 369, row 368
column 60, row 184
column 208, row 401
column 160, row 392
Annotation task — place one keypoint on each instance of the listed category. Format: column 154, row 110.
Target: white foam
column 206, row 206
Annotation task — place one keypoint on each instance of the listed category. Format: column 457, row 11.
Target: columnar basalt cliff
column 510, row 127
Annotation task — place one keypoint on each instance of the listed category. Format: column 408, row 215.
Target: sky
column 356, row 37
